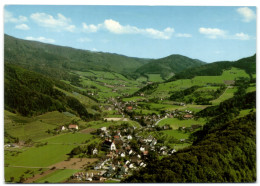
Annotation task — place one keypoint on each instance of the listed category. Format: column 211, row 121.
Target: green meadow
column 57, row 176
column 176, row 123
column 17, row 172
column 35, row 127
column 43, row 156
column 68, row 138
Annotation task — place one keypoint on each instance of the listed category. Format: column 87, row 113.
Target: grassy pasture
column 57, row 176
column 35, row 127
column 155, row 78
column 176, row 123
column 99, row 124
column 229, row 93
column 176, row 134
column 135, row 98
column 227, row 75
column 17, row 172
column 43, row 156
column 68, row 138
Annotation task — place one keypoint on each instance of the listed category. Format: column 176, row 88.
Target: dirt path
column 160, row 120
column 228, row 87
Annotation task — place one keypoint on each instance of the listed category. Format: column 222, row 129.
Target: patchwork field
column 75, row 163
column 228, row 76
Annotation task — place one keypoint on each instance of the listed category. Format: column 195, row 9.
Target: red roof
column 188, row 116
column 129, row 107
column 145, row 152
column 73, row 126
column 116, row 137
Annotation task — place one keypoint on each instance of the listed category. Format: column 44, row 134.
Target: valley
column 113, row 121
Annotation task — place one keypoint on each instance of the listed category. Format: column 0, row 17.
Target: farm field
column 68, row 138
column 155, row 78
column 75, row 163
column 100, row 124
column 17, row 172
column 107, row 84
column 35, row 127
column 163, row 90
column 57, row 176
column 229, row 93
column 176, row 123
column 43, row 156
column 176, row 134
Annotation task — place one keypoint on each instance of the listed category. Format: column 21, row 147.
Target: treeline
column 179, row 95
column 216, row 69
column 190, row 95
column 30, row 93
column 148, row 89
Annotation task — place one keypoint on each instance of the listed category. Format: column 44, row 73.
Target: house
column 145, row 153
column 142, row 149
column 129, row 108
column 130, row 152
column 113, row 146
column 164, row 152
column 116, row 137
column 188, row 116
column 142, row 164
column 131, row 166
column 109, row 145
column 173, row 151
column 122, row 154
column 103, row 129
column 129, row 137
column 95, row 151
column 98, row 166
column 63, row 128
column 74, row 127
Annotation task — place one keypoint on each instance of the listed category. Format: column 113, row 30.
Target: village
column 126, row 148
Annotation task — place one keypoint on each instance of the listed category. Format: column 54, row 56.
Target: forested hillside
column 215, row 69
column 30, row 93
column 169, row 65
column 56, row 61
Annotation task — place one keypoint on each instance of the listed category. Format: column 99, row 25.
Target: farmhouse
column 188, row 116
column 72, row 126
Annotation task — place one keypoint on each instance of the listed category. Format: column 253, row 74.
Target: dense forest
column 30, row 93
column 169, row 65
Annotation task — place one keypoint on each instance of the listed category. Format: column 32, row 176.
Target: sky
column 208, row 33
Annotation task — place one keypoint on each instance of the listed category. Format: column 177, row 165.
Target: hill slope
column 30, row 93
column 56, row 60
column 214, row 69
column 169, row 65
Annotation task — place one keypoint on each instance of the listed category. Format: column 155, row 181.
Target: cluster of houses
column 122, row 154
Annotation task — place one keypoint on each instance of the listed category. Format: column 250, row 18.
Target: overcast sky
column 206, row 33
